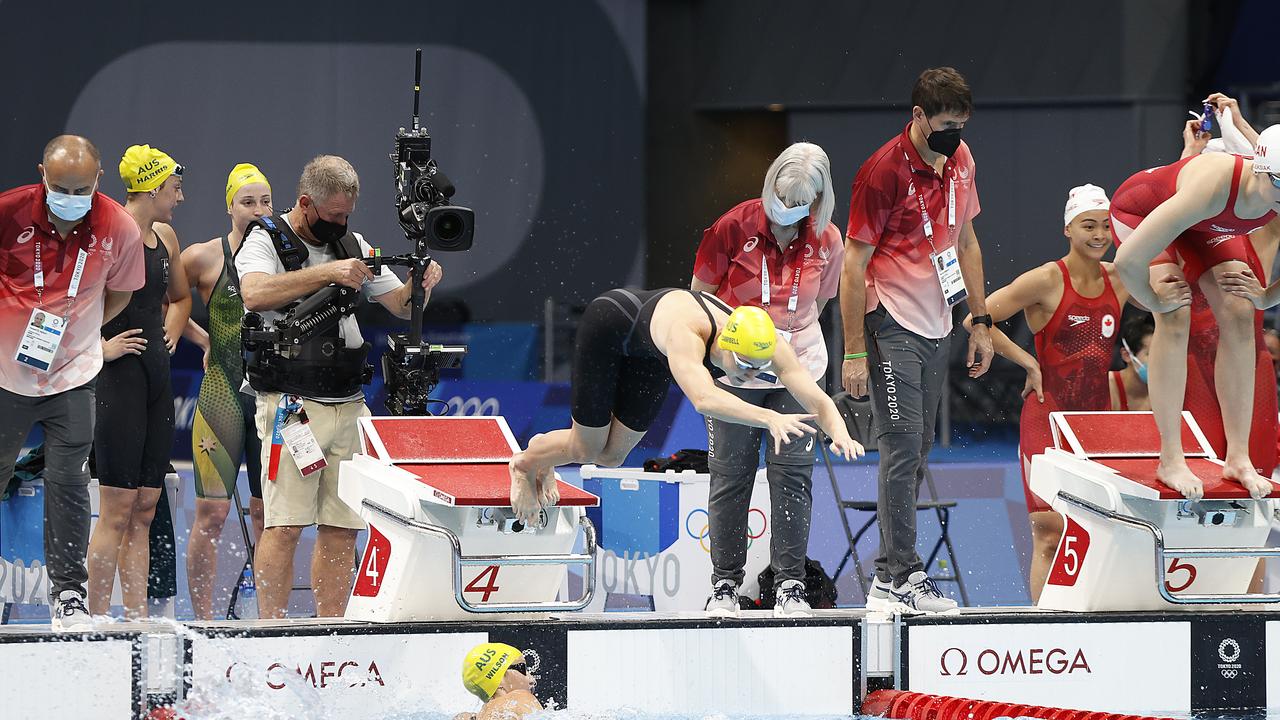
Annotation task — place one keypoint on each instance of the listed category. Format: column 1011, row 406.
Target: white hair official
column 799, row 176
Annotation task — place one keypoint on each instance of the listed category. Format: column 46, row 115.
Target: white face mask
column 785, row 216
column 69, row 207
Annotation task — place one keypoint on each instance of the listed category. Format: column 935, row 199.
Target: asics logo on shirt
column 750, row 245
column 1077, row 320
column 27, row 234
column 1218, row 239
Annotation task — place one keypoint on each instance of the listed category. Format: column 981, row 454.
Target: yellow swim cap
column 484, row 666
column 144, row 168
column 241, row 175
column 749, row 332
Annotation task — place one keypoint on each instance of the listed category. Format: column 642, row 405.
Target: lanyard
column 794, row 301
column 72, row 289
column 924, row 213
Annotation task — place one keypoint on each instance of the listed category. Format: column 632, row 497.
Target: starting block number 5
column 1071, row 554
column 1186, row 570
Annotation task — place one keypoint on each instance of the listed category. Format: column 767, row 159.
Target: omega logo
column 954, row 662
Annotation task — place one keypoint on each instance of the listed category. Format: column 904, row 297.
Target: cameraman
column 327, row 194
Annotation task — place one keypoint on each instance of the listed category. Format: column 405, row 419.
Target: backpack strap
column 289, row 248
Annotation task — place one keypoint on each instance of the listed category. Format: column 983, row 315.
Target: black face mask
column 327, row 232
column 944, row 142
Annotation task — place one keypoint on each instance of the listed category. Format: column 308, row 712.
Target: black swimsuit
column 133, row 435
column 618, row 371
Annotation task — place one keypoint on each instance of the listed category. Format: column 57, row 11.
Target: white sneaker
column 791, row 602
column 879, row 599
column 70, row 614
column 920, row 595
column 723, row 602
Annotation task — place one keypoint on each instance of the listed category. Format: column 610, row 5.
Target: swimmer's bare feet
column 548, row 488
column 524, row 495
column 1180, row 478
column 1245, row 474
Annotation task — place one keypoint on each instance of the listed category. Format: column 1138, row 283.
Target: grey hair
column 326, row 176
column 798, row 175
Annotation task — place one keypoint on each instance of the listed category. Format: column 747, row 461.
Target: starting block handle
column 1162, row 553
column 587, row 559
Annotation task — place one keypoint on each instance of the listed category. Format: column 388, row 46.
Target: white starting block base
column 443, row 542
column 1130, row 542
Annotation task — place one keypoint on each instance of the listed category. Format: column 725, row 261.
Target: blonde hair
column 326, row 176
column 799, row 175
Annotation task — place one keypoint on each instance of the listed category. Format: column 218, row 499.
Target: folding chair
column 857, row 414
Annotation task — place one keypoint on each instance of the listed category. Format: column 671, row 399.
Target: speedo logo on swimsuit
column 1218, row 239
column 1219, row 228
column 1077, row 320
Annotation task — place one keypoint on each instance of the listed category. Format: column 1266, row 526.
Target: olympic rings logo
column 703, row 536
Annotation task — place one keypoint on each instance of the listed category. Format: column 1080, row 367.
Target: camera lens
column 448, row 226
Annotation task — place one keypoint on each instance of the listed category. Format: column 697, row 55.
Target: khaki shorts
column 292, row 499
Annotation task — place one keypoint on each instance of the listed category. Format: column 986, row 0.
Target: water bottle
column 246, row 596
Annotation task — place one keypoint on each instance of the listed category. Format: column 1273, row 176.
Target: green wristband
column 854, row 356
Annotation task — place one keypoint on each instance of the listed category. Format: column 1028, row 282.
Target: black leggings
column 607, row 382
column 133, row 437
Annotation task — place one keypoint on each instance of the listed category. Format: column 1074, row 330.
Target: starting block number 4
column 491, row 574
column 373, row 567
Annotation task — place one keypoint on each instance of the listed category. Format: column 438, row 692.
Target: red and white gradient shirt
column 733, row 256
column 885, row 212
column 115, row 262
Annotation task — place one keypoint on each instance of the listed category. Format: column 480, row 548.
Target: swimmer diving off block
column 630, row 345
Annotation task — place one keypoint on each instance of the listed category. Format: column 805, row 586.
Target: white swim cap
column 1083, row 199
column 1266, row 158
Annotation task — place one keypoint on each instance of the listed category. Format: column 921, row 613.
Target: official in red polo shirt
column 779, row 252
column 71, row 259
column 911, row 254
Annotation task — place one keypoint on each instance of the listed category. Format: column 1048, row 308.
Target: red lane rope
column 903, row 705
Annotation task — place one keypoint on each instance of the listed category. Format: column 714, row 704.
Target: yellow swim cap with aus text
column 484, row 666
column 144, row 168
column 750, row 333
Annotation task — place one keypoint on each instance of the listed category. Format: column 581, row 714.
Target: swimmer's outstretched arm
column 684, row 357
column 796, row 378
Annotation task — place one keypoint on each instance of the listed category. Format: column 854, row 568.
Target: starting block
column 1129, row 541
column 443, row 541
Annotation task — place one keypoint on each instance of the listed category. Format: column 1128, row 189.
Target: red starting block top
column 437, row 439
column 1143, row 471
column 484, row 485
column 1121, row 434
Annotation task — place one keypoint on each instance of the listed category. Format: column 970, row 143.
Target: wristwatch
column 982, row 320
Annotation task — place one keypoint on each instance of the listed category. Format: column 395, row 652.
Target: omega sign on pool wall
column 1115, row 667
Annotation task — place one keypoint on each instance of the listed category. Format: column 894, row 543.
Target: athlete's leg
column 134, row 558
column 1168, row 386
column 202, row 553
column 115, row 509
column 1233, row 374
column 1046, row 531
